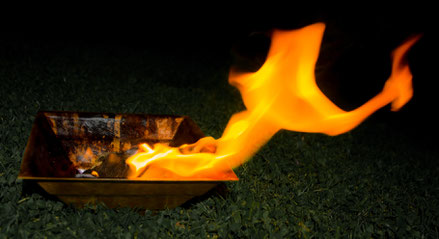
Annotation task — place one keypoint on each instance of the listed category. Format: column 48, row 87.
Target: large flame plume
column 282, row 94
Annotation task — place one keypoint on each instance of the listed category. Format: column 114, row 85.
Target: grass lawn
column 378, row 180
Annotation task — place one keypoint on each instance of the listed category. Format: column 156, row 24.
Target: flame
column 282, row 94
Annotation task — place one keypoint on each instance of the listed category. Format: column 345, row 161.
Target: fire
column 282, row 94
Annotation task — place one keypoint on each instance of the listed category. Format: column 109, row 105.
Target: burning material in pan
column 81, row 158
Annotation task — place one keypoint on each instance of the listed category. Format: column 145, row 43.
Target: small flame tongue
column 282, row 94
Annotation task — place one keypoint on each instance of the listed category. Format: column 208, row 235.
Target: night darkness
column 353, row 65
column 119, row 59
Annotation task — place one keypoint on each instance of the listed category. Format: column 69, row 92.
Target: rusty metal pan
column 56, row 158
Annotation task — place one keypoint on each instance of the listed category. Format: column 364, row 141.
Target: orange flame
column 282, row 94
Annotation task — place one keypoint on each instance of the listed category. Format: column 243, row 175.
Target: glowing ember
column 282, row 94
column 83, row 158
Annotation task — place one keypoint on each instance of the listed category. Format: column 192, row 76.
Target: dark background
column 353, row 65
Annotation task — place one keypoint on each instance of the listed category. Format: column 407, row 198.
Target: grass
column 371, row 182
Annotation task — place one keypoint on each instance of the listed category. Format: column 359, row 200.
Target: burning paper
column 282, row 94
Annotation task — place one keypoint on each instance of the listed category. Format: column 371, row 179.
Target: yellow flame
column 282, row 94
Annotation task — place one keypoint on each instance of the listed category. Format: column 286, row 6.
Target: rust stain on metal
column 116, row 140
